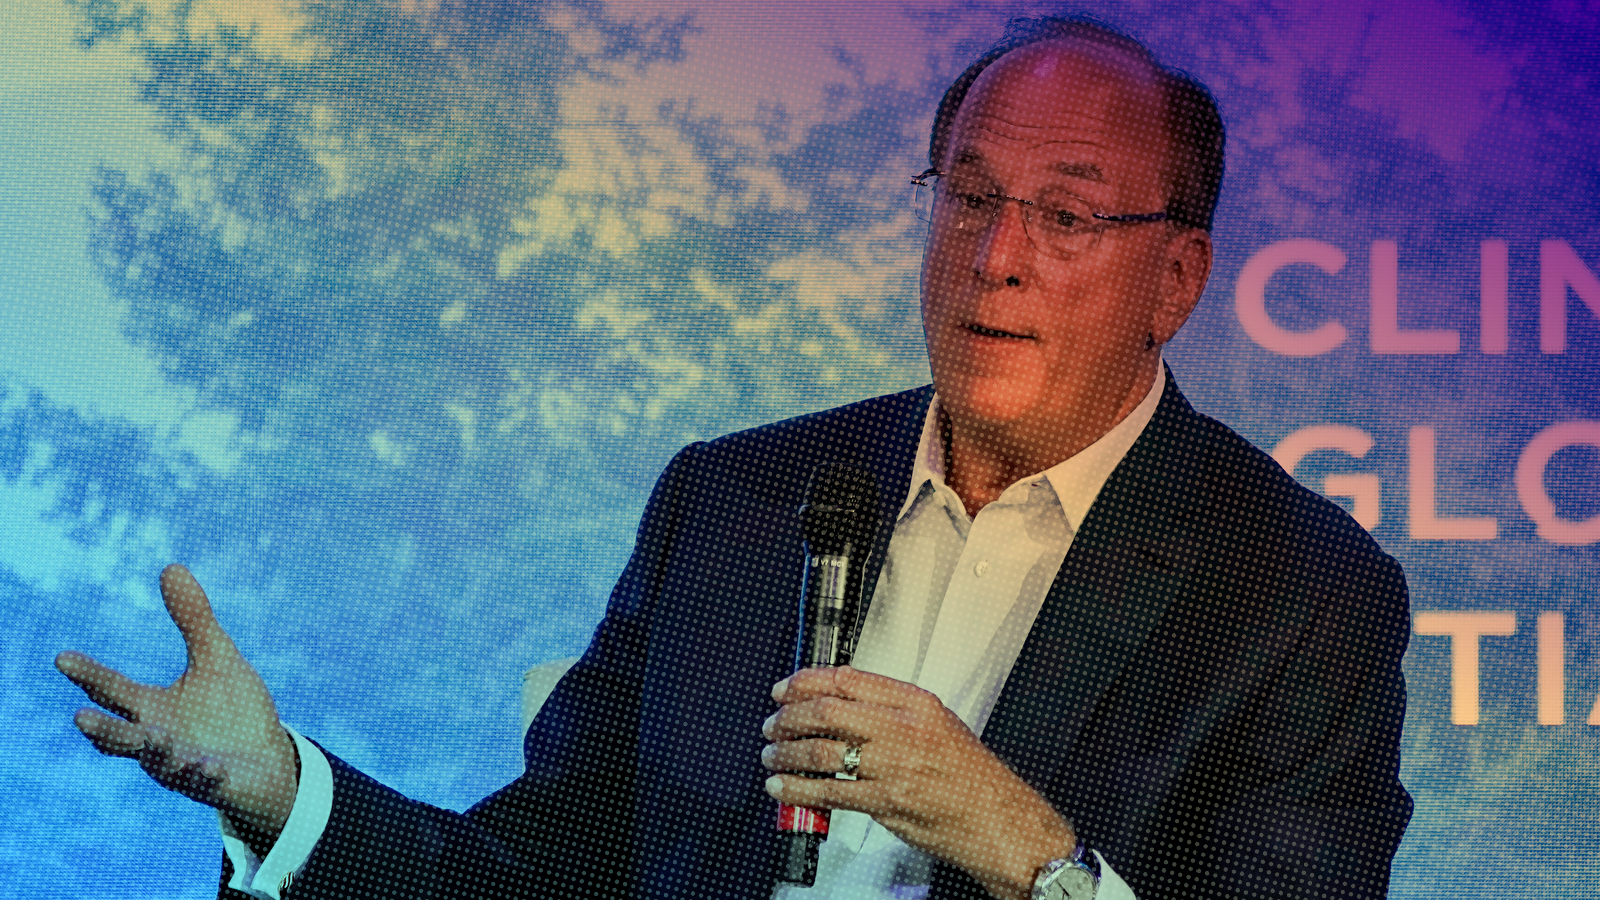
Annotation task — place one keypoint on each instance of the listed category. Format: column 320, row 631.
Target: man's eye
column 1064, row 218
column 973, row 200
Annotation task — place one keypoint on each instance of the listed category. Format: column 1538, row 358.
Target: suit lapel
column 1129, row 559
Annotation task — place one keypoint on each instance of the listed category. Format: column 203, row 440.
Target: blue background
column 384, row 317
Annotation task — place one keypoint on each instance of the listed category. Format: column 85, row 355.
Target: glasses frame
column 1102, row 221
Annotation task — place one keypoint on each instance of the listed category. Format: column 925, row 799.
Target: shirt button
column 981, row 569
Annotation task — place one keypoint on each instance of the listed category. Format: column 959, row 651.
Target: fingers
column 105, row 686
column 190, row 610
column 851, row 684
column 109, row 734
column 189, row 774
column 811, row 755
column 179, row 769
column 844, row 720
column 823, row 793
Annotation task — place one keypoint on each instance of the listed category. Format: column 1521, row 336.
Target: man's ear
column 1188, row 267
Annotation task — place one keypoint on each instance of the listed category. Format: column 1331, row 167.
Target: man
column 1184, row 668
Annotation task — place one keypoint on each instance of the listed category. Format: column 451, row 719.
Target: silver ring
column 852, row 759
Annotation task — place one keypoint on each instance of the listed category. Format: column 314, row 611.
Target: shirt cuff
column 313, row 802
column 1112, row 887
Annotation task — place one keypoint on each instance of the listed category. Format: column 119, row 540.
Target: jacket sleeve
column 1318, row 809
column 563, row 829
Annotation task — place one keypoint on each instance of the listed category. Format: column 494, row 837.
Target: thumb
column 191, row 612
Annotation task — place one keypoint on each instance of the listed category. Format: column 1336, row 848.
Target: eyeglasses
column 1060, row 224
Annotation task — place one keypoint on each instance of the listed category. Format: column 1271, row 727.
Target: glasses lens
column 1059, row 224
column 970, row 202
column 1064, row 225
column 923, row 195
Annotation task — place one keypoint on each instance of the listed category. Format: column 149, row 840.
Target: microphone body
column 839, row 521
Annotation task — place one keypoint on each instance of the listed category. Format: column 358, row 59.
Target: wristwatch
column 1075, row 877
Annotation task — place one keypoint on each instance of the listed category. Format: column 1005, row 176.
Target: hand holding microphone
column 839, row 521
column 915, row 767
column 921, row 773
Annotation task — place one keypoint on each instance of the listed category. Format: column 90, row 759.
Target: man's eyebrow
column 1085, row 171
column 969, row 158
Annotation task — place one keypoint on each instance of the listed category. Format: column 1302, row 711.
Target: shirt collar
column 1076, row 480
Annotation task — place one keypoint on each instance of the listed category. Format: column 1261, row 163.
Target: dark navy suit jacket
column 1211, row 691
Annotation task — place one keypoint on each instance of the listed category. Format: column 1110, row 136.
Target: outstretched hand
column 213, row 735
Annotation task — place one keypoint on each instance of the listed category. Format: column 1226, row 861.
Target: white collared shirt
column 953, row 605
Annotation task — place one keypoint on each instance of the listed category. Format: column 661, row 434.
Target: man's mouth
column 996, row 333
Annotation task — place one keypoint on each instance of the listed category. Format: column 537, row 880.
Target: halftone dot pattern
column 413, row 301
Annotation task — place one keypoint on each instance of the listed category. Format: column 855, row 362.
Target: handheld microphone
column 839, row 520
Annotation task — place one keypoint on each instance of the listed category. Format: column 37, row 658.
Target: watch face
column 1074, row 883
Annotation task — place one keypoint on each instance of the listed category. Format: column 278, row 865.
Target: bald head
column 1186, row 114
column 1099, row 112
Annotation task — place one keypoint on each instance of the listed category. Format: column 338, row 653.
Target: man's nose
column 1004, row 251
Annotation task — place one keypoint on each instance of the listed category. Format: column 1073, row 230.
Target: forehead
column 1064, row 105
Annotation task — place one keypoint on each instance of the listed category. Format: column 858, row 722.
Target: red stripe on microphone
column 801, row 820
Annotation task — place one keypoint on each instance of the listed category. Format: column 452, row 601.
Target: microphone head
column 840, row 502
